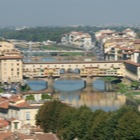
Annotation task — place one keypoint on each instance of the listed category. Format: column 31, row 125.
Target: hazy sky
column 68, row 12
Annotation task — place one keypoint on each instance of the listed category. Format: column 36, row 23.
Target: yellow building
column 10, row 63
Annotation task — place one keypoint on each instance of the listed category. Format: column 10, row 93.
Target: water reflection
column 97, row 96
column 107, row 101
column 101, row 85
column 74, row 92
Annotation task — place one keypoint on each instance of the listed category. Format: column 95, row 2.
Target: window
column 16, row 125
column 17, row 64
column 27, row 115
column 17, row 73
column 17, row 69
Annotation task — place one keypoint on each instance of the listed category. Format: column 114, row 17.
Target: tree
column 122, row 88
column 128, row 127
column 48, row 115
column 25, row 88
column 112, row 122
column 135, row 84
column 84, row 124
column 80, row 123
column 30, row 98
column 45, row 96
column 97, row 130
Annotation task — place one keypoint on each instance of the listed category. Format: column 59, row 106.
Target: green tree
column 122, row 88
column 128, row 127
column 25, row 88
column 45, row 96
column 113, row 121
column 97, row 130
column 1, row 90
column 80, row 123
column 49, row 115
column 135, row 84
column 30, row 98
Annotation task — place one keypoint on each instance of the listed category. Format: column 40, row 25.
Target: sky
column 68, row 12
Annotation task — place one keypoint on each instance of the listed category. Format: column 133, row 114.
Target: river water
column 75, row 93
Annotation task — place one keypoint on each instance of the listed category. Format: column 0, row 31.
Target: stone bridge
column 66, row 70
column 84, row 69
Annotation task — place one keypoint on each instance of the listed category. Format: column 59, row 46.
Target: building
column 78, row 39
column 10, row 63
column 13, row 69
column 20, row 136
column 18, row 111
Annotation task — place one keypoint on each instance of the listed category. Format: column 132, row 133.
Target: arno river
column 74, row 93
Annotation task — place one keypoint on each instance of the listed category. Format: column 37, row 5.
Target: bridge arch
column 76, row 71
column 62, row 71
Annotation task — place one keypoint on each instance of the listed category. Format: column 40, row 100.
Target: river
column 74, row 93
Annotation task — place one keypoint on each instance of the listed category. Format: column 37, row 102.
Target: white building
column 78, row 39
column 17, row 108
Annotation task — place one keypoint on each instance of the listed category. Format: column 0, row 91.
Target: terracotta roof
column 10, row 57
column 3, row 123
column 137, row 51
column 21, row 136
column 16, row 99
column 127, row 49
column 4, row 135
column 4, row 104
column 133, row 63
column 46, row 137
column 3, row 99
column 23, row 104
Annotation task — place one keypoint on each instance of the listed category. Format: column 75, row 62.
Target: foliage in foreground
column 69, row 123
